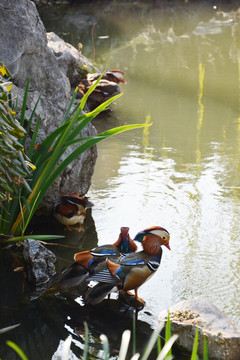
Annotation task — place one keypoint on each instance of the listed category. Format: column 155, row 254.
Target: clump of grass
column 17, row 211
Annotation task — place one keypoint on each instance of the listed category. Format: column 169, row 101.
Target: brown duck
column 105, row 90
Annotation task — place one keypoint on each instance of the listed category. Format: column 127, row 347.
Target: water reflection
column 182, row 69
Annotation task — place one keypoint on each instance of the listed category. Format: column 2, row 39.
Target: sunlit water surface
column 182, row 70
column 182, row 173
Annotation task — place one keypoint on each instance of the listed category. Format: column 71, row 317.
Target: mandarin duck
column 89, row 261
column 71, row 210
column 106, row 89
column 131, row 271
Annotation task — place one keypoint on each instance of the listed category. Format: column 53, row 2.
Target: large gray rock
column 24, row 50
column 223, row 335
column 74, row 65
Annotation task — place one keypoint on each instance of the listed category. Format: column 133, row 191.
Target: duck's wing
column 67, row 210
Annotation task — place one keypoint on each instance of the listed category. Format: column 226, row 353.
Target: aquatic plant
column 17, row 211
column 15, row 166
column 164, row 353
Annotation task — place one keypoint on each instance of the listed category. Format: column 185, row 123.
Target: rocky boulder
column 223, row 334
column 74, row 65
column 24, row 50
column 40, row 262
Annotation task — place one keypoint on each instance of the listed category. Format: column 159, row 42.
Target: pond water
column 182, row 67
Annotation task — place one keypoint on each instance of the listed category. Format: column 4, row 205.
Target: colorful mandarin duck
column 106, row 89
column 71, row 210
column 131, row 271
column 90, row 261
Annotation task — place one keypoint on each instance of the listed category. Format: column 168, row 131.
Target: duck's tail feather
column 97, row 293
column 73, row 276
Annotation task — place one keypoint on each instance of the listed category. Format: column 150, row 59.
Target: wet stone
column 40, row 262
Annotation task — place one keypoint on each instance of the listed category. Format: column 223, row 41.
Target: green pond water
column 182, row 66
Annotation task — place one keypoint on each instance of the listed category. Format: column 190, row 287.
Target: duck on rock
column 106, row 89
column 131, row 271
column 90, row 261
column 71, row 210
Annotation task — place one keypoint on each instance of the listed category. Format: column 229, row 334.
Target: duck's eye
column 164, row 238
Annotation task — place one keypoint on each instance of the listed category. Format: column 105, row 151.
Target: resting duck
column 106, row 89
column 90, row 261
column 130, row 272
column 71, row 210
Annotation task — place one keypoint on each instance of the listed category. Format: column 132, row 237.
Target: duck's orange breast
column 136, row 277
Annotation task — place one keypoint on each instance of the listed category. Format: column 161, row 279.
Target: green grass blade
column 87, row 118
column 152, row 342
column 205, row 348
column 168, row 333
column 134, row 342
column 8, row 328
column 34, row 137
column 66, row 348
column 34, row 237
column 90, row 90
column 195, row 347
column 77, row 152
column 124, row 344
column 159, row 344
column 105, row 345
column 16, row 348
column 24, row 104
column 85, row 352
column 166, row 348
column 30, row 121
column 65, row 118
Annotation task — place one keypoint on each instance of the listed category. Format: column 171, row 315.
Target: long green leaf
column 8, row 328
column 34, row 237
column 77, row 152
column 65, row 118
column 205, row 348
column 105, row 344
column 85, row 353
column 45, row 185
column 24, row 104
column 16, row 348
column 30, row 121
column 152, row 341
column 195, row 346
column 166, row 348
column 34, row 137
column 124, row 345
column 168, row 333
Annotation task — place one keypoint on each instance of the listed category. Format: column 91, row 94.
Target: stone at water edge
column 39, row 260
column 222, row 333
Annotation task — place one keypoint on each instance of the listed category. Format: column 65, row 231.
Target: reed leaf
column 166, row 348
column 105, row 345
column 195, row 346
column 152, row 341
column 66, row 348
column 24, row 104
column 124, row 345
column 205, row 348
column 17, row 349
column 86, row 342
column 34, row 237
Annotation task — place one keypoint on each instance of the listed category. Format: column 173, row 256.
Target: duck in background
column 71, row 210
column 91, row 261
column 106, row 89
column 131, row 271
